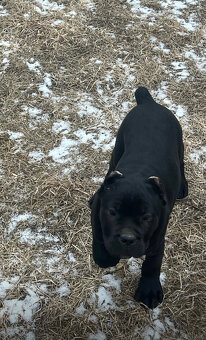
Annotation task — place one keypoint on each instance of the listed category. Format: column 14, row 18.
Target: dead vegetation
column 69, row 52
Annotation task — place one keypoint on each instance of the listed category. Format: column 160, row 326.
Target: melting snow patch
column 31, row 237
column 3, row 12
column 30, row 336
column 21, row 308
column 63, row 290
column 34, row 66
column 163, row 278
column 57, row 22
column 44, row 88
column 134, row 266
column 86, row 107
column 48, row 6
column 62, row 153
column 4, row 286
column 197, row 154
column 16, row 219
column 81, row 309
column 200, row 61
column 105, row 301
column 36, row 156
column 98, row 336
column 137, row 7
column 15, row 135
column 61, row 127
column 180, row 67
column 71, row 257
column 111, row 282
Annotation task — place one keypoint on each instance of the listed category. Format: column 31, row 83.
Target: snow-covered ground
column 64, row 152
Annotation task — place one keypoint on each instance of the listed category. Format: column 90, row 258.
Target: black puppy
column 131, row 209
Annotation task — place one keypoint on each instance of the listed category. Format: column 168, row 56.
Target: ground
column 68, row 72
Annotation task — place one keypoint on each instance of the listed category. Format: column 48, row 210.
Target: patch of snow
column 44, row 88
column 16, row 219
column 48, row 6
column 90, row 5
column 93, row 318
column 33, row 65
column 15, row 135
column 4, row 286
column 63, row 290
column 81, row 309
column 62, row 153
column 105, row 301
column 21, row 308
column 57, row 22
column 180, row 67
column 134, row 266
column 30, row 336
column 3, row 12
column 163, row 278
column 98, row 336
column 98, row 179
column 33, row 237
column 111, row 282
column 197, row 154
column 61, row 127
column 36, row 156
column 200, row 61
column 86, row 107
column 71, row 257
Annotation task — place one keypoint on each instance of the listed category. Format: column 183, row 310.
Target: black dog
column 131, row 209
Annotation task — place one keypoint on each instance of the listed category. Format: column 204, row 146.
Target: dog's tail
column 142, row 95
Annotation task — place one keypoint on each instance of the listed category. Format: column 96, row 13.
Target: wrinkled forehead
column 126, row 200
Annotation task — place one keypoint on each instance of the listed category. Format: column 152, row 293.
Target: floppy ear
column 111, row 178
column 158, row 187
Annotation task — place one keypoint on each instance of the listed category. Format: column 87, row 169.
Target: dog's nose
column 127, row 237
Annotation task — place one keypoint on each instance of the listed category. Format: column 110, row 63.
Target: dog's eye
column 112, row 212
column 147, row 218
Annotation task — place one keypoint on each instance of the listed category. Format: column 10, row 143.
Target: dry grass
column 40, row 187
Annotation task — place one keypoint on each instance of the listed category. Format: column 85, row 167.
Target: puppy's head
column 129, row 213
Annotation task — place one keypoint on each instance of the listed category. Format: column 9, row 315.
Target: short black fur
column 130, row 211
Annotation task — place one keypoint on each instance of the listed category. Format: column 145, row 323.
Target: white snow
column 21, row 308
column 61, row 126
column 81, row 309
column 62, row 153
column 3, row 12
column 33, row 65
column 98, row 336
column 4, row 287
column 111, row 282
column 33, row 237
column 36, row 156
column 104, row 300
column 197, row 154
column 71, row 257
column 16, row 219
column 181, row 70
column 47, row 6
column 15, row 135
column 134, row 266
column 44, row 87
column 63, row 290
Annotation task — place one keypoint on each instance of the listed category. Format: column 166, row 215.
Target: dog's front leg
column 149, row 290
column 100, row 254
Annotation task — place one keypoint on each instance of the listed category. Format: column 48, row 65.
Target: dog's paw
column 149, row 292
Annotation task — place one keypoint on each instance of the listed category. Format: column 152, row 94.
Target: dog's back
column 150, row 140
